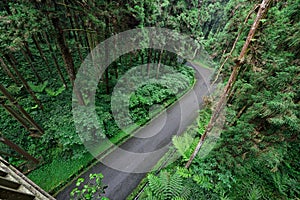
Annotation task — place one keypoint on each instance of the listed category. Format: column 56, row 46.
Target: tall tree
column 67, row 57
column 260, row 15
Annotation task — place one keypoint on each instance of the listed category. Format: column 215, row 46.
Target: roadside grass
column 54, row 174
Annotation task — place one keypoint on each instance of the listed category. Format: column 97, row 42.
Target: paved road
column 149, row 144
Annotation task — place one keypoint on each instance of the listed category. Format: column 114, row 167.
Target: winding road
column 151, row 141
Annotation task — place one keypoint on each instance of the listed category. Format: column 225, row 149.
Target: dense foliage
column 256, row 157
column 43, row 44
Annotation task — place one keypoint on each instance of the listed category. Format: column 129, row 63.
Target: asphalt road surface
column 122, row 170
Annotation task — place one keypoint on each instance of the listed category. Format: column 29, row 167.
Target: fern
column 166, row 186
column 281, row 182
column 13, row 89
column 255, row 193
column 38, row 88
column 55, row 93
column 184, row 172
column 156, row 185
column 182, row 144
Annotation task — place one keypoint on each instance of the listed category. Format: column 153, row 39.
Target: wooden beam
column 11, row 194
column 8, row 183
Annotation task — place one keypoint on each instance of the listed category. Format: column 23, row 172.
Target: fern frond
column 38, row 88
column 166, row 186
column 182, row 144
column 184, row 172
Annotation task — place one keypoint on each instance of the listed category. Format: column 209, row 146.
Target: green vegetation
column 37, row 62
column 59, row 174
column 161, row 186
column 43, row 44
column 89, row 190
column 52, row 175
column 255, row 157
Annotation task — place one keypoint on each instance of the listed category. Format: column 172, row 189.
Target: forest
column 252, row 46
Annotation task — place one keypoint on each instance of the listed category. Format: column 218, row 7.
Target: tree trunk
column 16, row 115
column 67, row 57
column 37, row 76
column 21, row 109
column 24, row 82
column 28, row 52
column 261, row 13
column 75, row 34
column 18, row 149
column 142, row 56
column 159, row 62
column 149, row 60
column 87, row 36
column 41, row 52
column 116, row 64
column 64, row 49
column 8, row 72
column 170, row 59
column 78, row 27
column 107, row 51
column 61, row 76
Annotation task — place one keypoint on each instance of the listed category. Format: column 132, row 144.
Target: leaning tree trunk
column 24, row 82
column 16, row 115
column 8, row 72
column 28, row 52
column 67, row 57
column 61, row 76
column 21, row 109
column 261, row 13
column 36, row 43
column 29, row 61
column 17, row 149
column 64, row 49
